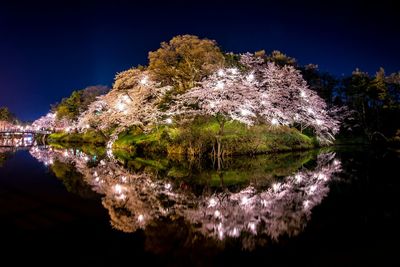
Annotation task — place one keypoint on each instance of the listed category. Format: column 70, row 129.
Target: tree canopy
column 185, row 60
column 6, row 115
column 78, row 102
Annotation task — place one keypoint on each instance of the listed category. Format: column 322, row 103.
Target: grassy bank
column 198, row 138
column 89, row 137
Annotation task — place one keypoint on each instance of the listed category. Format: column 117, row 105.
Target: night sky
column 49, row 49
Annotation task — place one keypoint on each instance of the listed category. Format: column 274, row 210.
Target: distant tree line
column 7, row 115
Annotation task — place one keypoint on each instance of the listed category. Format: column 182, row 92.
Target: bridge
column 17, row 131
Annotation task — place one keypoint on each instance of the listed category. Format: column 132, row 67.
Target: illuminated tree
column 50, row 122
column 262, row 92
column 132, row 102
column 285, row 99
column 226, row 95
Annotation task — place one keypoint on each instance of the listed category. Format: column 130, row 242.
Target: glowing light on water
column 252, row 227
column 212, row 202
column 244, row 200
column 234, row 232
column 306, row 204
column 217, row 213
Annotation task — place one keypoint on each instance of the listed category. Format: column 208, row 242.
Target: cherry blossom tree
column 226, row 95
column 132, row 102
column 263, row 91
column 285, row 99
column 50, row 122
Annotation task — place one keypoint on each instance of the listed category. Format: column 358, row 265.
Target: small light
column 221, row 73
column 322, row 176
column 276, row 187
column 245, row 112
column 298, row 177
column 302, row 94
column 220, row 85
column 274, row 121
column 252, row 226
column 250, row 77
column 120, row 106
column 312, row 189
column 244, row 200
column 144, row 80
column 169, row 120
column 217, row 213
column 233, row 70
column 168, row 186
column 118, row 189
column 212, row 202
column 141, row 218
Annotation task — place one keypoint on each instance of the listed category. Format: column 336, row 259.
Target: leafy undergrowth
column 199, row 137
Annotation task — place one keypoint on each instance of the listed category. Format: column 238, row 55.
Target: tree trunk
column 219, row 137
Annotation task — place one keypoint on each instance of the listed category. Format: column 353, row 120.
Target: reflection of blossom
column 135, row 200
column 283, row 209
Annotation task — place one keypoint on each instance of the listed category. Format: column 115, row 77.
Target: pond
column 328, row 207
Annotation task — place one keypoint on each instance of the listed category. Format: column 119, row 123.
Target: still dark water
column 336, row 207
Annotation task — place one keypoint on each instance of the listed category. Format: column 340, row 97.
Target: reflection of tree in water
column 5, row 154
column 282, row 209
column 253, row 212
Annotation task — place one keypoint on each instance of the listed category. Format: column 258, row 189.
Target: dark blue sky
column 49, row 49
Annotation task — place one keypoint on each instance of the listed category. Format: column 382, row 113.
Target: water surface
column 328, row 207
